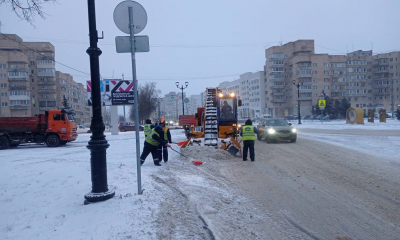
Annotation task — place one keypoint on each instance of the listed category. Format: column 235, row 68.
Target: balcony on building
column 19, row 97
column 305, row 98
column 377, row 94
column 47, row 99
column 277, row 86
column 277, row 94
column 47, row 91
column 46, row 72
column 18, row 88
column 47, row 82
column 278, row 100
column 18, row 75
column 46, row 62
column 19, row 107
column 381, row 85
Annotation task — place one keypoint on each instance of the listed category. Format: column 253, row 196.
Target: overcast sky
column 210, row 41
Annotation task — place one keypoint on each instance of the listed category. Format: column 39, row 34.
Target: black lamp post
column 181, row 87
column 98, row 143
column 299, row 83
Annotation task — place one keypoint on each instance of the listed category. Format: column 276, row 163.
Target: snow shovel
column 178, row 152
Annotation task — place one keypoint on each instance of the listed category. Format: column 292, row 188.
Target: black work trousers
column 162, row 150
column 248, row 144
column 147, row 149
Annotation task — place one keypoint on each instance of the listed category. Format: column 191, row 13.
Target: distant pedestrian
column 154, row 139
column 248, row 134
column 147, row 127
column 163, row 149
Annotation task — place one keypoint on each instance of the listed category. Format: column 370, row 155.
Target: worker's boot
column 157, row 163
column 141, row 162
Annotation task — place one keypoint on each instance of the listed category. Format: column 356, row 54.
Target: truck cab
column 63, row 123
column 227, row 114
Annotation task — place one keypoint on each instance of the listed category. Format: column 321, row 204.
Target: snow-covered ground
column 42, row 191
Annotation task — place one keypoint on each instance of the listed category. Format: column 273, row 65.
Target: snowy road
column 331, row 184
column 327, row 191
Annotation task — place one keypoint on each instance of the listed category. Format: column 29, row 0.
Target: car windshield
column 276, row 122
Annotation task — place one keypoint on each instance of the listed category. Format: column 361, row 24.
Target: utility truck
column 55, row 128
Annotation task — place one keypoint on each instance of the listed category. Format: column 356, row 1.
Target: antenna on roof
column 281, row 40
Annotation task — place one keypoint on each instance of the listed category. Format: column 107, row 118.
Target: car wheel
column 52, row 140
column 293, row 140
column 268, row 140
column 122, row 130
column 4, row 143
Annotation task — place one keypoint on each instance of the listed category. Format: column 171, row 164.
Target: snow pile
column 205, row 152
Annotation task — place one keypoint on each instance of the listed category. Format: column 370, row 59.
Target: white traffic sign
column 121, row 16
column 123, row 44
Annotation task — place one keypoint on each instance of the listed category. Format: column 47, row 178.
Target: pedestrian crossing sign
column 321, row 103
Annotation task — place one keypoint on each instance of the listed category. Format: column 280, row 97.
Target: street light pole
column 181, row 87
column 98, row 143
column 298, row 97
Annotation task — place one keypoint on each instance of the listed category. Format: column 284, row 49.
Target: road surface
column 324, row 191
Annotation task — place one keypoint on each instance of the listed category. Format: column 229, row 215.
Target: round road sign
column 121, row 16
column 186, row 100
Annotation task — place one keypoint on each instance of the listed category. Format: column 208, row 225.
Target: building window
column 13, row 66
column 326, row 72
column 2, row 75
column 32, row 63
column 4, row 104
column 314, row 64
column 33, row 88
column 2, row 66
column 314, row 72
column 326, row 65
column 4, row 94
column 31, row 54
column 3, row 85
column 33, row 80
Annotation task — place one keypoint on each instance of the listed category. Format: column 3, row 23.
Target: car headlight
column 240, row 125
column 271, row 131
column 294, row 130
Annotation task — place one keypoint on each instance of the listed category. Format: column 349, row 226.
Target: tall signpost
column 130, row 17
column 98, row 143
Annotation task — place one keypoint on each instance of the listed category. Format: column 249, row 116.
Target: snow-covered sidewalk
column 42, row 192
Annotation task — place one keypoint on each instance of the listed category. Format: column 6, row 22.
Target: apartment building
column 194, row 102
column 367, row 81
column 251, row 92
column 169, row 106
column 75, row 94
column 28, row 82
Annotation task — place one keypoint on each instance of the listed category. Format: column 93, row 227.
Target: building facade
column 28, row 81
column 367, row 81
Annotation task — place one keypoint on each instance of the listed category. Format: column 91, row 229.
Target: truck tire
column 52, row 140
column 4, row 142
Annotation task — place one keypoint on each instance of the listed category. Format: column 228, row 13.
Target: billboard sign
column 113, row 92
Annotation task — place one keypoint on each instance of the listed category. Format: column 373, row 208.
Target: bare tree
column 27, row 9
column 147, row 101
column 121, row 118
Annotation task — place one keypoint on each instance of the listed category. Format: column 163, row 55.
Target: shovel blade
column 233, row 150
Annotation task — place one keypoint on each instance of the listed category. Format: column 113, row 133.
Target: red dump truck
column 55, row 128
